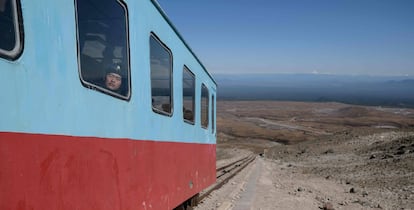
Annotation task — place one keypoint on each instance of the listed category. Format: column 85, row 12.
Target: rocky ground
column 343, row 164
column 377, row 168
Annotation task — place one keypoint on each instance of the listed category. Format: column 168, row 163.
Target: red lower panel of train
column 40, row 172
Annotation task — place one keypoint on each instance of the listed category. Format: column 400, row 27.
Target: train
column 103, row 106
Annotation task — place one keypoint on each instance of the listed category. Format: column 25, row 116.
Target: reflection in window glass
column 103, row 46
column 204, row 106
column 161, row 71
column 10, row 29
column 213, row 122
column 188, row 95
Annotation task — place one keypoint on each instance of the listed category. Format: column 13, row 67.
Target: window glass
column 204, row 106
column 161, row 72
column 103, row 46
column 10, row 29
column 188, row 95
column 213, row 122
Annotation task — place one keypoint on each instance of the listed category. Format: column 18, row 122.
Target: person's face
column 113, row 81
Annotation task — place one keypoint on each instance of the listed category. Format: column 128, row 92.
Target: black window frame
column 207, row 109
column 17, row 50
column 97, row 87
column 171, row 80
column 186, row 69
column 213, row 103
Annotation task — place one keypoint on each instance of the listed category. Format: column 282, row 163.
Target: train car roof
column 164, row 15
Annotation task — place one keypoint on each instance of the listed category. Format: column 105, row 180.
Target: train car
column 103, row 106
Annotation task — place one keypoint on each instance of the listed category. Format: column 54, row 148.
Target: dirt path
column 368, row 172
column 285, row 125
column 269, row 185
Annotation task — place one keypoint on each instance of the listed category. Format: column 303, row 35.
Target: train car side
column 67, row 143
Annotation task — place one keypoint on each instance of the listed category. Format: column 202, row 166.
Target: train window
column 103, row 46
column 161, row 76
column 212, row 114
column 188, row 95
column 11, row 30
column 204, row 106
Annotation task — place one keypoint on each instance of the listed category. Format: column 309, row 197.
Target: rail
column 225, row 173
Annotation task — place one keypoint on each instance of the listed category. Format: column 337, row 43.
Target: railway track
column 225, row 173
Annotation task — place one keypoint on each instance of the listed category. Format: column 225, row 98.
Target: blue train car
column 103, row 106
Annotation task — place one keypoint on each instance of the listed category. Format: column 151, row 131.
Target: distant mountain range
column 394, row 91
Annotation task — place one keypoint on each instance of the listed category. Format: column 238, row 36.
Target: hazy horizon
column 321, row 74
column 392, row 91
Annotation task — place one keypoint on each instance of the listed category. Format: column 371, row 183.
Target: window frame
column 17, row 50
column 168, row 50
column 213, row 103
column 203, row 86
column 185, row 68
column 93, row 86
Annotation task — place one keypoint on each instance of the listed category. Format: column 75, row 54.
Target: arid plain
column 326, row 155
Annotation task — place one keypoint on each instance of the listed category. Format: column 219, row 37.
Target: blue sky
column 368, row 37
